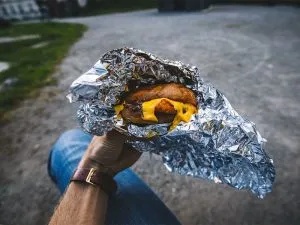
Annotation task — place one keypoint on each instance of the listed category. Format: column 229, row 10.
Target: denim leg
column 136, row 204
column 65, row 156
column 133, row 204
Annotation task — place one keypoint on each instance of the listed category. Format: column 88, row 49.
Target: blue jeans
column 133, row 204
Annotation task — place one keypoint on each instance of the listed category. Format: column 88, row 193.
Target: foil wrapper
column 217, row 144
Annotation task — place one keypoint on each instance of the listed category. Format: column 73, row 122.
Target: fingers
column 114, row 135
column 106, row 149
column 111, row 150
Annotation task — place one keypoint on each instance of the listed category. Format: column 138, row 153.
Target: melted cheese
column 118, row 109
column 184, row 111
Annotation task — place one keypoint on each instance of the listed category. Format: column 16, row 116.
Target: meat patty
column 164, row 110
column 133, row 114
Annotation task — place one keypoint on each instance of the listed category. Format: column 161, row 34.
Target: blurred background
column 250, row 50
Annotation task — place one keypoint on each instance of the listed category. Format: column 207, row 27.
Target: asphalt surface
column 250, row 53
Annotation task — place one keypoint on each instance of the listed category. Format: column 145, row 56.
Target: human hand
column 110, row 152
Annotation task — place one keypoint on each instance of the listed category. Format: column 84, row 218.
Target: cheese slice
column 184, row 111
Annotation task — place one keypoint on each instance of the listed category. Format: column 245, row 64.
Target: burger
column 162, row 103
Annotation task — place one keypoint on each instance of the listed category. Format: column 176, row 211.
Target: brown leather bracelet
column 96, row 178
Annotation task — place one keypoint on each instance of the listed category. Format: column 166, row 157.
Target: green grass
column 33, row 67
column 112, row 6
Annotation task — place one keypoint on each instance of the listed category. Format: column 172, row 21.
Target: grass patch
column 32, row 67
column 112, row 6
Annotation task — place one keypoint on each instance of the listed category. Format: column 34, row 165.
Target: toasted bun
column 175, row 92
column 164, row 111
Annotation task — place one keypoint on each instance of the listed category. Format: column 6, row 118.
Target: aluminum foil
column 217, row 144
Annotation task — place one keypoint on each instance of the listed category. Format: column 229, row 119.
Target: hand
column 110, row 152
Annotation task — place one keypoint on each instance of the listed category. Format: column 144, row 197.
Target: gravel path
column 250, row 53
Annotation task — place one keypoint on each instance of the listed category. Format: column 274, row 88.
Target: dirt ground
column 251, row 53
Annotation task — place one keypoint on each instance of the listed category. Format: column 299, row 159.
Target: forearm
column 82, row 204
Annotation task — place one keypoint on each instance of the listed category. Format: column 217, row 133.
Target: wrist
column 83, row 186
column 88, row 163
column 95, row 178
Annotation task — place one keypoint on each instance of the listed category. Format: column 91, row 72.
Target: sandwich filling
column 184, row 111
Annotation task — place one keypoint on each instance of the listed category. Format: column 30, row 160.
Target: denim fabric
column 133, row 204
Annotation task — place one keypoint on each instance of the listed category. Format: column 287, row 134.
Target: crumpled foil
column 217, row 144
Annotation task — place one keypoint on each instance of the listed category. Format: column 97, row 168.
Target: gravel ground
column 251, row 53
